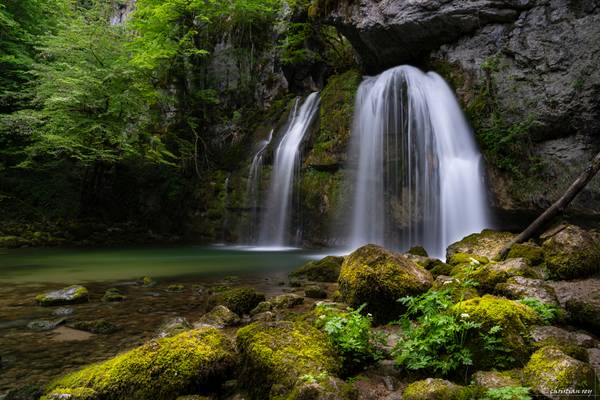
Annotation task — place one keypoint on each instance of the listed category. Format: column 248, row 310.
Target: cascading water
column 277, row 212
column 416, row 170
column 253, row 188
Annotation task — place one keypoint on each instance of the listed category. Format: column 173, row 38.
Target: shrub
column 508, row 393
column 547, row 312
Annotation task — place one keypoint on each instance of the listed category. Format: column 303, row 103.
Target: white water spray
column 417, row 175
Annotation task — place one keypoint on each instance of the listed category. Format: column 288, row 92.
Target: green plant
column 493, row 344
column 508, row 393
column 437, row 340
column 350, row 332
column 547, row 312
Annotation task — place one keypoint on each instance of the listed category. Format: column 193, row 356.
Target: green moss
column 550, row 369
column 336, row 114
column 220, row 316
column 487, row 243
column 160, row 369
column 532, row 253
column 464, row 258
column 435, row 389
column 71, row 394
column 379, row 277
column 585, row 311
column 324, row 270
column 570, row 349
column 492, row 274
column 113, row 295
column 69, row 295
column 315, row 292
column 275, row 356
column 572, row 253
column 513, row 319
column 239, row 300
column 418, row 251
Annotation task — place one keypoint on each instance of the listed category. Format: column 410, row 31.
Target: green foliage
column 437, row 341
column 547, row 312
column 351, row 334
column 508, row 393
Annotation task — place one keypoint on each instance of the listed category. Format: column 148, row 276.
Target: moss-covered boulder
column 489, row 275
column 571, row 252
column 554, row 374
column 513, row 319
column 495, row 379
column 534, row 254
column 519, row 287
column 161, row 369
column 379, row 277
column 487, row 243
column 278, row 356
column 418, row 251
column 239, row 300
column 219, row 317
column 70, row 295
column 466, row 258
column 585, row 311
column 435, row 389
column 324, row 270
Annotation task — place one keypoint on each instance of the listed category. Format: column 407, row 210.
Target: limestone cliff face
column 527, row 73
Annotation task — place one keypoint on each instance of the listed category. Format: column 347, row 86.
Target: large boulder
column 277, row 358
column 379, row 277
column 70, row 295
column 239, row 300
column 435, row 389
column 160, row 369
column 491, row 274
column 554, row 374
column 487, row 243
column 514, row 320
column 218, row 317
column 519, row 287
column 585, row 311
column 324, row 270
column 571, row 252
column 494, row 379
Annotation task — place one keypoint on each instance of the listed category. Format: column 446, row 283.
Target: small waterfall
column 275, row 223
column 253, row 188
column 416, row 170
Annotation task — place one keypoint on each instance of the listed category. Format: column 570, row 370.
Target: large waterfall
column 277, row 213
column 416, row 170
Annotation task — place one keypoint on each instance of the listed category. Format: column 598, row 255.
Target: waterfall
column 415, row 168
column 253, row 187
column 277, row 213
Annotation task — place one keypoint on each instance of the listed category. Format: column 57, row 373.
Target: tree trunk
column 556, row 208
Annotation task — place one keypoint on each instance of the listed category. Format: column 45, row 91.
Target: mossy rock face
column 519, row 287
column 276, row 356
column 161, row 369
column 219, row 317
column 70, row 295
column 379, row 277
column 488, row 244
column 572, row 253
column 550, row 370
column 435, row 389
column 240, row 300
column 585, row 311
column 492, row 274
column 494, row 379
column 324, row 270
column 532, row 253
column 514, row 319
column 465, row 258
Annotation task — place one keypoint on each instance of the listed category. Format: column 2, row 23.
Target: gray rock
column 494, row 379
column 44, row 325
column 540, row 334
column 519, row 287
column 173, row 326
column 62, row 311
column 315, row 292
column 220, row 317
column 70, row 295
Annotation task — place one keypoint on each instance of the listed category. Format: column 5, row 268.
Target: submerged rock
column 240, row 300
column 98, row 326
column 435, row 389
column 552, row 373
column 315, row 292
column 219, row 317
column 276, row 357
column 63, row 311
column 571, row 252
column 487, row 244
column 324, row 270
column 146, row 281
column 113, row 295
column 379, row 277
column 70, row 295
column 160, row 369
column 45, row 325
